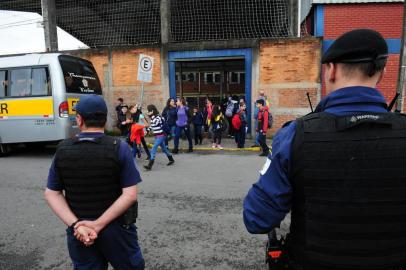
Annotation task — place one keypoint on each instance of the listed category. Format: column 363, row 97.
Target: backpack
column 270, row 120
column 236, row 121
column 230, row 109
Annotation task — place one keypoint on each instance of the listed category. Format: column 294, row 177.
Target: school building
column 219, row 48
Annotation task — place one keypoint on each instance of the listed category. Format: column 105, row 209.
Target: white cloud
column 22, row 32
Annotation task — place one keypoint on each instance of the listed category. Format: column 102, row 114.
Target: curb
column 254, row 149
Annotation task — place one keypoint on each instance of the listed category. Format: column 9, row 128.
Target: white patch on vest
column 266, row 166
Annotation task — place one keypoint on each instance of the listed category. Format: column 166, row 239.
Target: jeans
column 172, row 135
column 159, row 141
column 178, row 133
column 262, row 142
column 217, row 135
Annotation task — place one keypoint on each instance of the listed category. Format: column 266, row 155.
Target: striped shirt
column 156, row 125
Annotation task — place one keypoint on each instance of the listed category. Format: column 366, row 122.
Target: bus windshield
column 80, row 76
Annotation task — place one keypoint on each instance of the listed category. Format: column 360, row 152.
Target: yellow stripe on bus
column 26, row 107
column 72, row 102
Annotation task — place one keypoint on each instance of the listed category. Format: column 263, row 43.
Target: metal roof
column 354, row 1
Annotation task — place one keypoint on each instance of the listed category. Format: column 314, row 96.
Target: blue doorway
column 226, row 55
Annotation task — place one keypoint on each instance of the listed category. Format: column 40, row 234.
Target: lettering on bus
column 3, row 108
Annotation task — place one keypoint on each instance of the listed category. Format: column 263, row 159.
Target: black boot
column 149, row 166
column 171, row 161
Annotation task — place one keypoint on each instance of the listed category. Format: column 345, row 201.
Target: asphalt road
column 190, row 214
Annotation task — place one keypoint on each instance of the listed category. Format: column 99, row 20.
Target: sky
column 22, row 32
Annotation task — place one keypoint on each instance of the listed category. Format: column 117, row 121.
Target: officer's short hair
column 367, row 69
column 97, row 120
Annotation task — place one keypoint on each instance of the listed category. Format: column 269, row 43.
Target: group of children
column 176, row 119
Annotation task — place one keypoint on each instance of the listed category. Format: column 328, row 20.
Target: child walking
column 137, row 132
column 156, row 128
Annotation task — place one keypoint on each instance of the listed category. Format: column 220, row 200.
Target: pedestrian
column 137, row 132
column 231, row 109
column 217, row 126
column 261, row 95
column 262, row 126
column 198, row 121
column 159, row 135
column 339, row 170
column 170, row 114
column 182, row 124
column 120, row 102
column 92, row 188
column 240, row 125
column 124, row 120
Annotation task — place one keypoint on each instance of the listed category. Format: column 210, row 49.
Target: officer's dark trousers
column 115, row 245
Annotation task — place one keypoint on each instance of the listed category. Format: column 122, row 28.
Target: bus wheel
column 4, row 149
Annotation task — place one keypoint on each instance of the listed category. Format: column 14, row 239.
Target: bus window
column 40, row 82
column 80, row 76
column 20, row 82
column 3, row 83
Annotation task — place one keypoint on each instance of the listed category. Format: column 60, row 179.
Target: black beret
column 357, row 46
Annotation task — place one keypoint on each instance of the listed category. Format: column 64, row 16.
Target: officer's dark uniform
column 92, row 169
column 341, row 173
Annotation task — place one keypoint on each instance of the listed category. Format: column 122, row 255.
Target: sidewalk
column 227, row 143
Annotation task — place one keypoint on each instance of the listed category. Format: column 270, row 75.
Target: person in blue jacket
column 334, row 169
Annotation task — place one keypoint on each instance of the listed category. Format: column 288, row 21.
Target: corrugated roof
column 353, row 1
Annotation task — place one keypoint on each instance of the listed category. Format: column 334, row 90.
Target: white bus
column 37, row 95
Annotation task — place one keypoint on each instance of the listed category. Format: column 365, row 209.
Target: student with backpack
column 231, row 109
column 262, row 126
column 156, row 128
column 182, row 124
column 239, row 123
column 136, row 136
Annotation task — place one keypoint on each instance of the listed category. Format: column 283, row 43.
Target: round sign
column 146, row 64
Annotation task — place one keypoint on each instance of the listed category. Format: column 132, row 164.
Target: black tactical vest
column 349, row 192
column 90, row 171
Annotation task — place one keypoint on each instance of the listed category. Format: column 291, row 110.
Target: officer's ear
column 381, row 75
column 79, row 120
column 330, row 72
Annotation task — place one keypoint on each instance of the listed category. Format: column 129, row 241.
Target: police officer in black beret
column 98, row 177
column 339, row 170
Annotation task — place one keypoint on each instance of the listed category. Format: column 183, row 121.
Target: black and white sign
column 145, row 65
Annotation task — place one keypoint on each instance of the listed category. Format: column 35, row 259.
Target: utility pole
column 294, row 17
column 402, row 66
column 165, row 8
column 50, row 30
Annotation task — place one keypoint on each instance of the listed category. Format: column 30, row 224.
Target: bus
column 37, row 97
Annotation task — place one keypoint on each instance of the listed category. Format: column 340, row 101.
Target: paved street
column 190, row 214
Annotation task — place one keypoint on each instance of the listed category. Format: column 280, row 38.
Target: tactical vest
column 349, row 192
column 90, row 172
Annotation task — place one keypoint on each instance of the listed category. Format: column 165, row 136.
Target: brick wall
column 288, row 69
column 386, row 18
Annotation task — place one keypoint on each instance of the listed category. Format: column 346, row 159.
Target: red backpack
column 236, row 121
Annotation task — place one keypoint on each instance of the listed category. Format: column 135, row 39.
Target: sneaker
column 263, row 154
column 213, row 146
column 220, row 147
